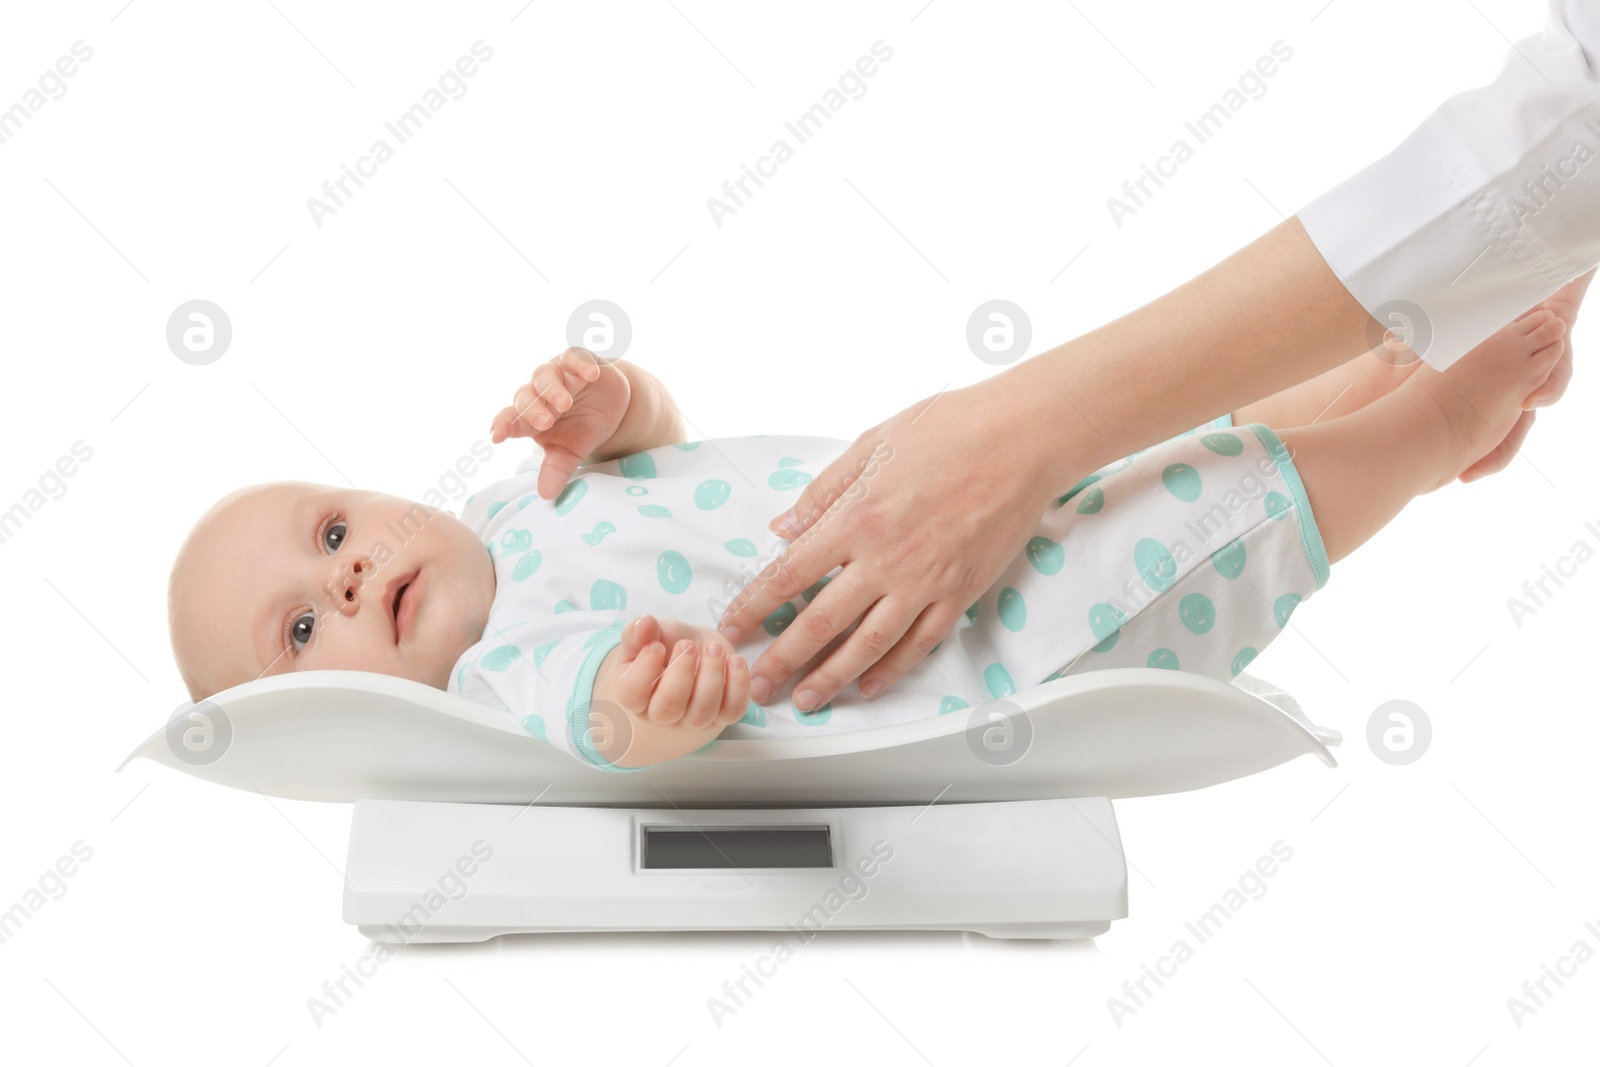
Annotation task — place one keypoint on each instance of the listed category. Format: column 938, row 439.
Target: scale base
column 429, row 872
column 441, row 935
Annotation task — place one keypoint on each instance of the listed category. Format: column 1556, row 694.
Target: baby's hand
column 571, row 406
column 704, row 687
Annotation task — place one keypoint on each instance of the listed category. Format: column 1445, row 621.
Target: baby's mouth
column 399, row 604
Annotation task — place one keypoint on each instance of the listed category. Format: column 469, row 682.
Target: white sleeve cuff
column 1485, row 209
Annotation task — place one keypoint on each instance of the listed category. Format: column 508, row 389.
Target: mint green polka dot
column 711, row 493
column 1242, row 660
column 779, row 620
column 1223, row 444
column 527, row 565
column 498, row 659
column 740, row 546
column 636, row 490
column 606, row 595
column 525, row 501
column 535, row 726
column 790, row 461
column 544, row 650
column 1092, row 501
column 1155, row 564
column 571, row 493
column 596, row 535
column 1229, row 559
column 816, row 587
column 786, row 479
column 1283, row 607
column 754, row 714
column 494, row 509
column 690, row 446
column 461, row 675
column 972, row 614
column 935, row 649
column 1277, row 504
column 514, row 541
column 564, row 605
column 1197, row 613
column 949, row 704
column 1013, row 611
column 1182, row 481
column 1105, row 622
column 654, row 511
column 471, row 498
column 673, row 571
column 1164, row 658
column 1075, row 490
column 998, row 680
column 638, row 465
column 1045, row 555
column 814, row 718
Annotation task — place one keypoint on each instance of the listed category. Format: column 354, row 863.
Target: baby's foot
column 1565, row 302
column 1473, row 405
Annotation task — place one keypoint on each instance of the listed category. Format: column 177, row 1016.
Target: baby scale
column 995, row 819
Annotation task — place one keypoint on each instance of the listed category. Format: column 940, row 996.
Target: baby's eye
column 301, row 628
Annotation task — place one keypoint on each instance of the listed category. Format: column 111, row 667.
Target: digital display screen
column 722, row 848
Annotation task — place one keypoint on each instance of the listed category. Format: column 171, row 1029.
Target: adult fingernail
column 805, row 699
column 760, row 689
column 786, row 524
column 871, row 688
column 732, row 634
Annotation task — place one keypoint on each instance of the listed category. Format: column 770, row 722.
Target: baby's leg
column 1199, row 551
column 1358, row 382
column 1359, row 470
column 1337, row 391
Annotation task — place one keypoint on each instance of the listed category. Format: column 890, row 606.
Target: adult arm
column 950, row 489
column 1485, row 210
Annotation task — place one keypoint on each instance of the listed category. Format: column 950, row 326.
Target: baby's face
column 292, row 576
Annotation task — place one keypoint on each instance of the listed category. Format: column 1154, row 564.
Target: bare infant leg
column 1361, row 468
column 1336, row 391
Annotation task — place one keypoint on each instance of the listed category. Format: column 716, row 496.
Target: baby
column 566, row 601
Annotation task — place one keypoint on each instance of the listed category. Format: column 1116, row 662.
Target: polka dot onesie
column 1188, row 556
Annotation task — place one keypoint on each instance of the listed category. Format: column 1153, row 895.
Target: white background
column 373, row 351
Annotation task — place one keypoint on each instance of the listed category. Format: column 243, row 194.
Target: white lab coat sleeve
column 1485, row 209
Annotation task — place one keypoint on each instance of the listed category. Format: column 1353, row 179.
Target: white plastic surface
column 421, row 872
column 350, row 735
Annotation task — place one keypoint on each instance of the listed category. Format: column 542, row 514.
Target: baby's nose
column 352, row 579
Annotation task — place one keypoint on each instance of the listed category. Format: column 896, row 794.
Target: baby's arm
column 580, row 410
column 646, row 710
column 652, row 418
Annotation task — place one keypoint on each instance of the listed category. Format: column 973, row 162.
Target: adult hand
column 923, row 511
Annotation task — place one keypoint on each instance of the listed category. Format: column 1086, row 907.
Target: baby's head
column 293, row 576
